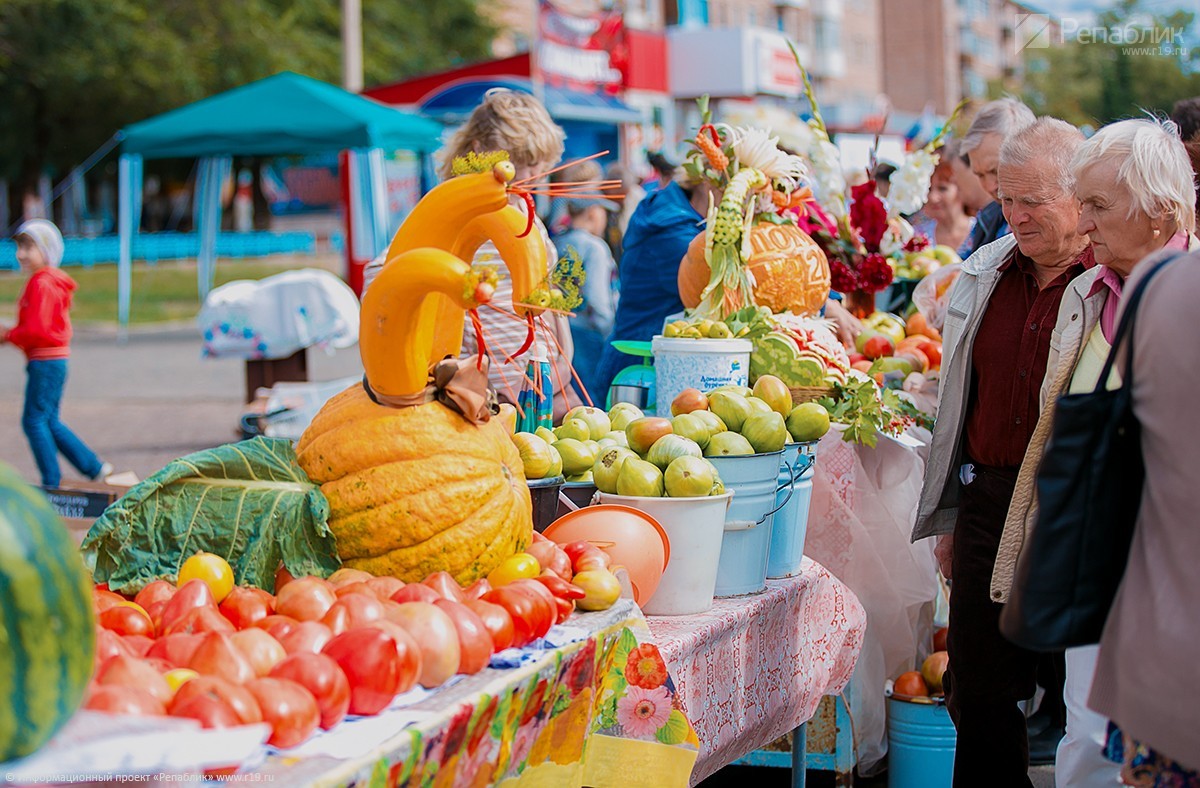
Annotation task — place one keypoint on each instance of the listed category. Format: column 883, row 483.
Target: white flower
column 910, row 183
column 755, row 147
column 899, row 232
column 827, row 181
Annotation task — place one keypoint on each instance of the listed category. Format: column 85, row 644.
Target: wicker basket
column 810, row 393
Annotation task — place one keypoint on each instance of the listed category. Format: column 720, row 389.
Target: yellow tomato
column 212, row 569
column 513, row 568
column 177, row 677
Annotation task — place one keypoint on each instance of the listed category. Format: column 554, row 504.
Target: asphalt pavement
column 146, row 401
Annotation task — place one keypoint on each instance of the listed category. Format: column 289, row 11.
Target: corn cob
column 731, row 213
column 729, row 285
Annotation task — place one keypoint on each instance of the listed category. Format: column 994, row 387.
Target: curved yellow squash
column 417, row 490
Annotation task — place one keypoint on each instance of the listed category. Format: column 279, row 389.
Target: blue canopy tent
column 281, row 115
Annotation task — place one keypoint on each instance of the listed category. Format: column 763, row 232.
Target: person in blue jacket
column 659, row 232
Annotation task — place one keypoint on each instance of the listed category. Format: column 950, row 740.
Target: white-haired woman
column 1134, row 183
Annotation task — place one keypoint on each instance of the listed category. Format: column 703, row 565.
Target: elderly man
column 981, row 146
column 997, row 339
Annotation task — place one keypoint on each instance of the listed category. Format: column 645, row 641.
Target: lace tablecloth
column 752, row 668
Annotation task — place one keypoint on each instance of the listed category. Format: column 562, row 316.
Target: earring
column 1157, row 232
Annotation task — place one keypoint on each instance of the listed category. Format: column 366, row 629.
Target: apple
column 934, row 668
column 878, row 346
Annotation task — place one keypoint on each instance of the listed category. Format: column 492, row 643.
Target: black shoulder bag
column 1089, row 489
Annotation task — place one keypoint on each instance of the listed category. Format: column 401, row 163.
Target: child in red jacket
column 43, row 332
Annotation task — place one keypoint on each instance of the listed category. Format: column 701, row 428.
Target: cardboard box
column 82, row 500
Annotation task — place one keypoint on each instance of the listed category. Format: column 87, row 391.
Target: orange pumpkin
column 790, row 271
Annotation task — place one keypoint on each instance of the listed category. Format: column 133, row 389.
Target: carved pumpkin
column 790, row 270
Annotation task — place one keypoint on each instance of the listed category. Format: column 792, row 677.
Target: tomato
column 324, row 678
column 371, row 662
column 585, row 555
column 103, row 599
column 939, row 639
column 551, row 558
column 276, row 625
column 177, row 677
column 218, row 656
column 496, row 620
column 214, row 570
column 157, row 591
column 565, row 594
column 192, row 594
column 528, row 613
column 199, row 620
column 910, row 685
column 445, row 586
column 306, row 599
column 353, row 610
column 127, row 618
column 407, row 651
column 346, row 576
column 209, row 711
column 474, row 642
column 513, row 568
column 262, row 651
column 288, row 708
column 110, row 644
column 385, row 586
column 282, row 578
column 306, row 637
column 126, row 671
column 437, row 639
column 176, row 649
column 237, row 696
column 415, row 592
column 139, row 645
column 477, row 589
column 601, row 588
column 115, row 699
column 155, row 611
column 354, row 588
column 244, row 606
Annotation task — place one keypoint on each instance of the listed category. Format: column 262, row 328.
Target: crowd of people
column 1053, row 228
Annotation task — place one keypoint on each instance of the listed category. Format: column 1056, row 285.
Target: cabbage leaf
column 248, row 502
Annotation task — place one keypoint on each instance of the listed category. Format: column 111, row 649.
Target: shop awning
column 453, row 103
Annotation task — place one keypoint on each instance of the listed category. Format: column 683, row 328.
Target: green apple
column 688, row 477
column 946, row 255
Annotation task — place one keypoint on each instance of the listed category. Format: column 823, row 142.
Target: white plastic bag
column 932, row 294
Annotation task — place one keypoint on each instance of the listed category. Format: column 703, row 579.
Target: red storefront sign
column 582, row 51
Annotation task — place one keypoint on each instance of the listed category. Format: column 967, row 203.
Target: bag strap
column 1127, row 326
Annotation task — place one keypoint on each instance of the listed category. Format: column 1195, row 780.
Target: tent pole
column 129, row 191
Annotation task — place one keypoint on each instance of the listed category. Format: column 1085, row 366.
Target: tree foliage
column 73, row 72
column 1134, row 61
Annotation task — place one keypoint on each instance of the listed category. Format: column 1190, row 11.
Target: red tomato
column 109, row 645
column 218, row 656
column 306, row 637
column 474, row 642
column 551, row 557
column 236, row 696
column 245, row 606
column 385, row 586
column 436, row 637
column 496, row 619
column 127, row 618
column 477, row 589
column 209, row 711
column 177, row 649
column 337, row 619
column 360, row 609
column 585, row 554
column 288, row 708
column 125, row 671
column 539, row 590
column 407, row 652
column 115, row 699
column 103, row 599
column 157, row 591
column 155, row 611
column 306, row 599
column 324, row 678
column 354, row 588
column 282, row 578
column 198, row 620
column 445, row 586
column 939, row 639
column 415, row 592
column 371, row 662
column 262, row 651
column 347, row 575
column 528, row 614
column 139, row 645
column 276, row 625
column 192, row 594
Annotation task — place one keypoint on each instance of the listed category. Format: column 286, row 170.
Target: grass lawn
column 162, row 292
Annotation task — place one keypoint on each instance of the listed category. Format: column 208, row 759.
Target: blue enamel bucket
column 747, row 539
column 791, row 521
column 921, row 741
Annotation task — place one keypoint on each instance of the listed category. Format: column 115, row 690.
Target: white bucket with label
column 703, row 364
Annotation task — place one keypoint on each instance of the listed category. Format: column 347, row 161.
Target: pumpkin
column 419, row 489
column 790, row 271
column 48, row 632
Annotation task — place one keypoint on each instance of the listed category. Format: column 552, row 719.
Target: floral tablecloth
column 752, row 668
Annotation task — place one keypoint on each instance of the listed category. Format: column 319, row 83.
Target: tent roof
column 281, row 115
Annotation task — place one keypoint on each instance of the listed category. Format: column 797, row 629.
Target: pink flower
column 642, row 712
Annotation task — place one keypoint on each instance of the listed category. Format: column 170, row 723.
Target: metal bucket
column 747, row 539
column 921, row 740
column 543, row 494
column 791, row 521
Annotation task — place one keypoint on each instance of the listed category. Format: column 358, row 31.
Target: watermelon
column 47, row 627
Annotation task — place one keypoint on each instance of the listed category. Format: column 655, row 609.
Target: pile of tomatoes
column 313, row 652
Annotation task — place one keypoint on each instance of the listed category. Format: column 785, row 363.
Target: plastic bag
column 932, row 294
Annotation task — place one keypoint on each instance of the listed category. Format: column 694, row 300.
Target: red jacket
column 43, row 328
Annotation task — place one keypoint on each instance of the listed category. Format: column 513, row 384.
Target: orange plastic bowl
column 631, row 537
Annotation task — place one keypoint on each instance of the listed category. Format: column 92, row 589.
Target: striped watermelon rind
column 47, row 627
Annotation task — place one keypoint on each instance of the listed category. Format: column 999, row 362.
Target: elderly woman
column 1134, row 184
